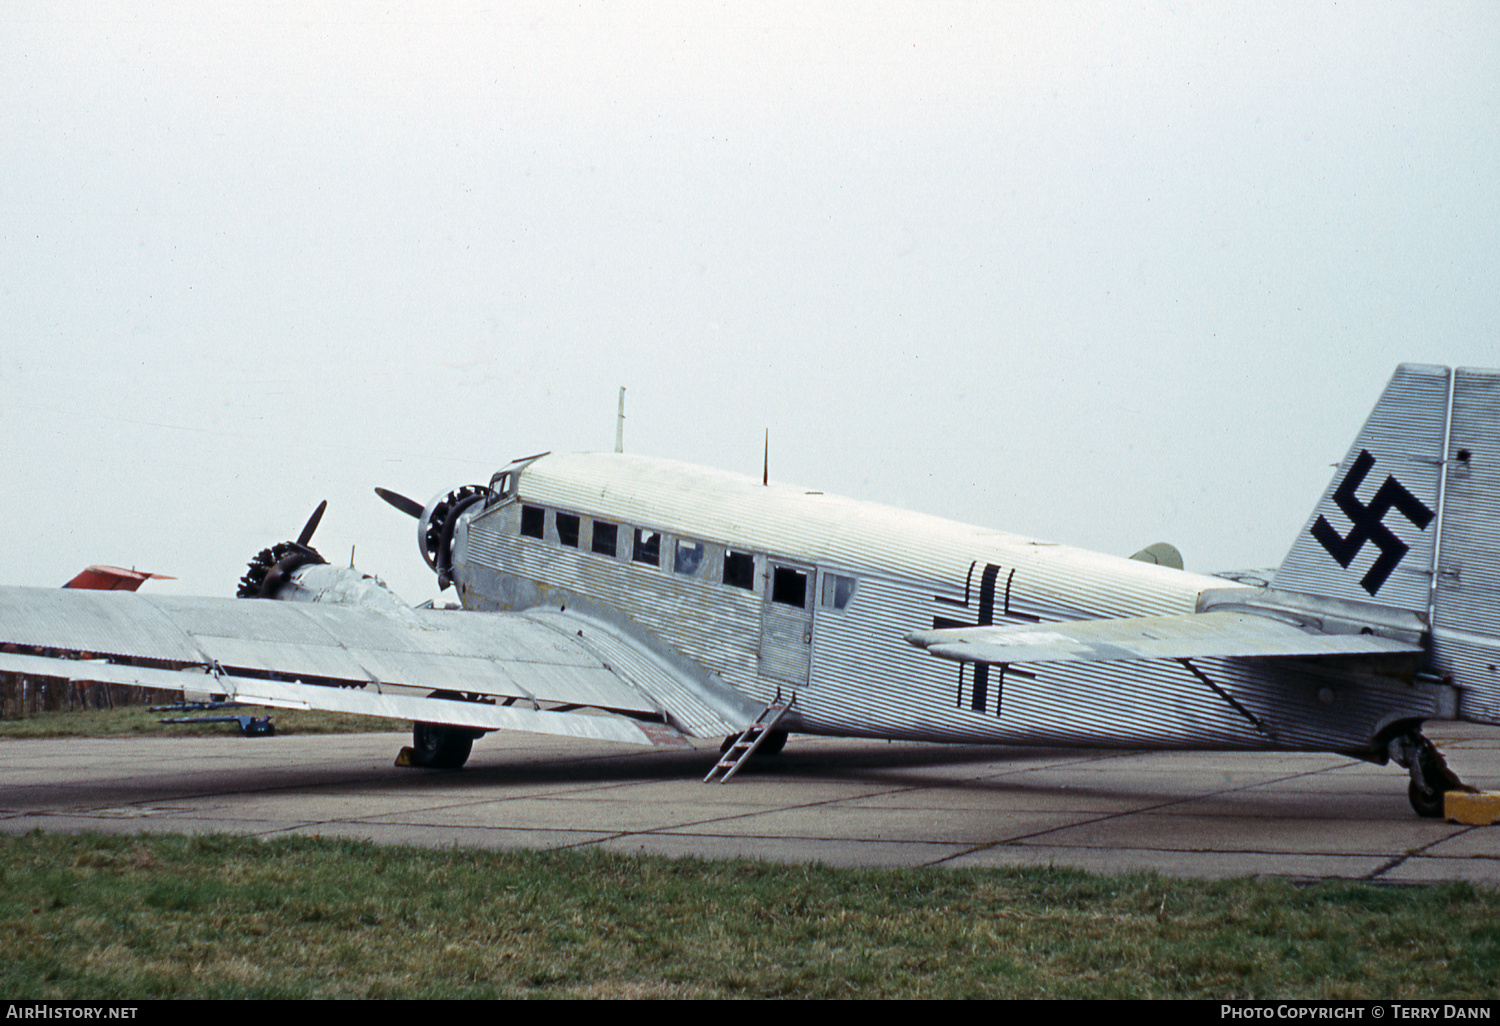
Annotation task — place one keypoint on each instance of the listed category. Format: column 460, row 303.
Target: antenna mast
column 620, row 424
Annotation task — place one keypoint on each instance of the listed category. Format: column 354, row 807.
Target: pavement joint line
column 1106, row 817
column 671, row 829
column 1410, row 853
column 666, row 830
column 828, row 802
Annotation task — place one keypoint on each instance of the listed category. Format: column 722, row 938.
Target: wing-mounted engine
column 273, row 567
column 294, row 571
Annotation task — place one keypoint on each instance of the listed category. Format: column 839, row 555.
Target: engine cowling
column 273, row 567
column 294, row 571
column 435, row 528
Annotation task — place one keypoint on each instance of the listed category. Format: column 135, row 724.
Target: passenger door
column 787, row 623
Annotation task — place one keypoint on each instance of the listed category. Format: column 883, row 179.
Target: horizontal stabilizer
column 1189, row 636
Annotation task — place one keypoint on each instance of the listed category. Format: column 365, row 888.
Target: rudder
column 1466, row 598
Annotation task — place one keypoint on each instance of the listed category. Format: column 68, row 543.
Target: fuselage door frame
column 786, row 630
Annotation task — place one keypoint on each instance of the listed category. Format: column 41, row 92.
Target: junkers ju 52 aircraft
column 639, row 600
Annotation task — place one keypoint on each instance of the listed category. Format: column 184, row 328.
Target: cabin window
column 739, row 570
column 647, row 547
column 689, row 557
column 567, row 530
column 532, row 519
column 837, row 591
column 789, row 587
column 605, row 537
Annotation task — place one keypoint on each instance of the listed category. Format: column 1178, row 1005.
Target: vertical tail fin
column 1372, row 537
column 1411, row 520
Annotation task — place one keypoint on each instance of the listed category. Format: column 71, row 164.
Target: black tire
column 435, row 747
column 1427, row 804
column 773, row 744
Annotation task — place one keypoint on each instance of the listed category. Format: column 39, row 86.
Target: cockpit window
column 502, row 486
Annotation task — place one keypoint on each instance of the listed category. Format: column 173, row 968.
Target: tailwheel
column 1431, row 779
column 1425, row 802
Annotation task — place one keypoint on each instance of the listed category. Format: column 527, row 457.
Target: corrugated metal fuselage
column 768, row 590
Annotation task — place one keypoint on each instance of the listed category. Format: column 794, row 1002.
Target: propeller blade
column 410, row 507
column 312, row 524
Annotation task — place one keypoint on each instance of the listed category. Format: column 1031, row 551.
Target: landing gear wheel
column 435, row 747
column 1425, row 803
column 773, row 744
column 1431, row 779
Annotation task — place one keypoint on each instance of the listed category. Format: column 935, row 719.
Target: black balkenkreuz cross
column 1369, row 523
column 986, row 616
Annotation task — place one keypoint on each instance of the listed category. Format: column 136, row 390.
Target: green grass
column 140, row 721
column 92, row 916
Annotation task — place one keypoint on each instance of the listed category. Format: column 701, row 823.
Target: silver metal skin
column 852, row 669
column 681, row 600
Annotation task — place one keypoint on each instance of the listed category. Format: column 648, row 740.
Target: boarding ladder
column 744, row 746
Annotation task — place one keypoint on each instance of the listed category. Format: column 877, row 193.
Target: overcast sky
column 1104, row 274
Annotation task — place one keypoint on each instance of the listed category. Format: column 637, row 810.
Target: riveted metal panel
column 107, row 623
column 323, row 661
column 490, row 654
column 675, row 693
column 833, row 532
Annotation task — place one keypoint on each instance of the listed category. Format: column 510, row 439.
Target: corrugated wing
column 481, row 653
column 282, row 695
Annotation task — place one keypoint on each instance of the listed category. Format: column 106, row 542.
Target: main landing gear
column 773, row 744
column 435, row 746
column 1431, row 778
